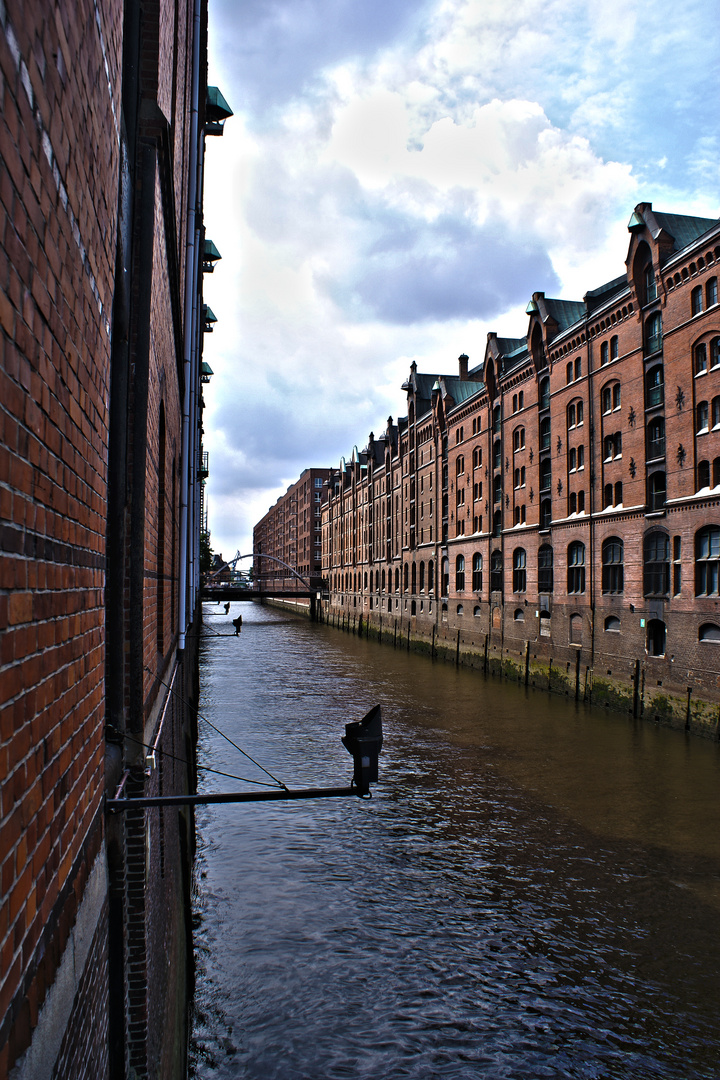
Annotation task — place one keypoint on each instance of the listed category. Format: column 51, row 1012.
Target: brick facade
column 100, row 273
column 290, row 534
column 559, row 504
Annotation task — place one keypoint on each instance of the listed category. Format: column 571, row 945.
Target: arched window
column 477, row 572
column 612, row 624
column 413, row 579
column 569, row 371
column 612, row 446
column 518, row 439
column 519, row 615
column 656, row 636
column 459, row 465
column 496, row 419
column 383, row 581
column 715, row 352
column 576, row 568
column 656, row 564
column 575, row 414
column 431, row 576
column 653, row 333
column 576, row 629
column 422, row 577
column 709, row 632
column 445, row 576
column 707, row 560
column 610, row 397
column 545, row 569
column 618, row 493
column 397, row 580
column 614, row 347
column 519, row 570
column 605, row 353
column 696, row 299
column 703, row 475
column 702, row 417
column 711, row 292
column 656, row 438
column 612, row 565
column 477, row 457
column 545, row 433
column 460, row 574
column 496, row 571
column 607, row 496
column 700, row 358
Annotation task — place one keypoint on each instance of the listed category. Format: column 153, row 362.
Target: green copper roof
column 684, row 229
column 216, row 106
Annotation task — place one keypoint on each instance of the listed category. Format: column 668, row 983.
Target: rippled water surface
column 533, row 890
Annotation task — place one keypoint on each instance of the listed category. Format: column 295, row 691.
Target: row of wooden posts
column 357, row 625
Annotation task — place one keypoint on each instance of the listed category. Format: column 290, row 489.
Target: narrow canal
column 533, row 890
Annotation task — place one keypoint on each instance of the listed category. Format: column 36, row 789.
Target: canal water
column 532, row 891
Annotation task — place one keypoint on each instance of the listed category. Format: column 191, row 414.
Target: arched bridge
column 276, row 586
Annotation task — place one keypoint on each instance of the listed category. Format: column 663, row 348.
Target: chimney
column 463, row 362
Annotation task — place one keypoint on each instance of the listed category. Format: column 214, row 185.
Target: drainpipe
column 190, row 325
column 591, row 493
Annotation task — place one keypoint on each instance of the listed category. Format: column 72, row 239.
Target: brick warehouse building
column 104, row 112
column 290, row 534
column 557, row 508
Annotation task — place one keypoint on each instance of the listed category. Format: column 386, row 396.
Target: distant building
column 289, row 537
column 561, row 499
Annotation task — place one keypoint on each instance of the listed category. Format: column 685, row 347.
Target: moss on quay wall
column 566, row 675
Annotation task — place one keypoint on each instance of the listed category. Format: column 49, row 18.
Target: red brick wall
column 510, row 617
column 57, row 249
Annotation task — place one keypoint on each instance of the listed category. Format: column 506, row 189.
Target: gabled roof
column 459, row 390
column 683, row 229
column 595, row 298
column 565, row 312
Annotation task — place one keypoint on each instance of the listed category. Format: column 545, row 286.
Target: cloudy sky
column 399, row 176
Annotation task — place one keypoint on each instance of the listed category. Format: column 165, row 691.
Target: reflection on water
column 533, row 891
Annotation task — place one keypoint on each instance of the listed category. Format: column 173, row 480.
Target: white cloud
column 399, row 177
